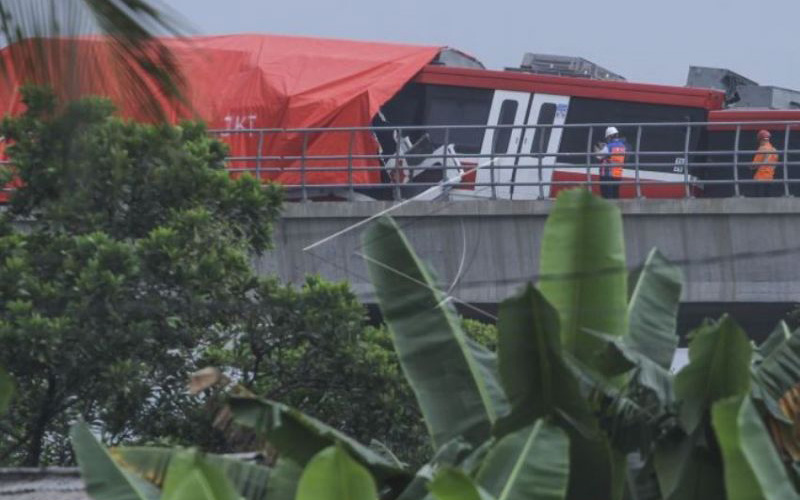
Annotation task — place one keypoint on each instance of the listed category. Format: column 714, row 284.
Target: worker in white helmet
column 611, row 154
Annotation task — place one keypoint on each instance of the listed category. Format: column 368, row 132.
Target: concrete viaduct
column 737, row 254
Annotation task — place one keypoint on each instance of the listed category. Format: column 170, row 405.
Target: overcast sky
column 643, row 40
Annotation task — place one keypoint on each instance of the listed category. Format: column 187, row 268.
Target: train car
column 439, row 96
column 722, row 165
column 295, row 110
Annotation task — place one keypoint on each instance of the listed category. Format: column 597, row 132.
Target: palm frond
column 56, row 43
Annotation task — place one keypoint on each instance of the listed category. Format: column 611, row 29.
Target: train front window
column 547, row 116
column 502, row 136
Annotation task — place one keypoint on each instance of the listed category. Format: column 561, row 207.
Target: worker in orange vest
column 612, row 160
column 764, row 163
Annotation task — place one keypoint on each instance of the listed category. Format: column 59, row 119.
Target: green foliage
column 536, row 379
column 719, row 367
column 6, row 390
column 251, row 480
column 283, row 482
column 779, row 369
column 653, row 310
column 483, row 333
column 137, row 272
column 530, row 463
column 309, row 348
column 753, row 468
column 583, row 273
column 299, row 437
column 85, row 171
column 429, row 341
column 693, row 435
column 740, row 481
column 333, row 475
column 190, row 476
column 453, row 484
column 581, row 348
column 104, row 479
column 136, row 260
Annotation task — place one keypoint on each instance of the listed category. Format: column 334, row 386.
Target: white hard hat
column 611, row 131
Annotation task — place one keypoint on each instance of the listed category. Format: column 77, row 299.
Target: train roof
column 758, row 118
column 578, row 87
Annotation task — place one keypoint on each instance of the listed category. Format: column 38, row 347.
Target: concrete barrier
column 731, row 250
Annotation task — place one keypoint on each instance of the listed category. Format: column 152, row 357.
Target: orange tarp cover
column 242, row 82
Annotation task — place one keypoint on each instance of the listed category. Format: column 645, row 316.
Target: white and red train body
column 261, row 92
column 460, row 96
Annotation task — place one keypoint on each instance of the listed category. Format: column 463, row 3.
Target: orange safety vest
column 616, row 158
column 764, row 162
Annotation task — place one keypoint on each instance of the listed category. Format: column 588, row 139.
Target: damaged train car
column 337, row 119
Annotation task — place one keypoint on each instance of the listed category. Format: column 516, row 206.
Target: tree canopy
column 135, row 257
column 125, row 265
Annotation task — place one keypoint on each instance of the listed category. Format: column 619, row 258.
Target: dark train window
column 547, row 116
column 458, row 106
column 669, row 140
column 508, row 112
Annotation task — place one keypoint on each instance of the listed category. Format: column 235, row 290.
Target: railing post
column 786, row 161
column 444, row 156
column 589, row 157
column 258, row 155
column 350, row 190
column 687, row 188
column 491, row 165
column 303, row 191
column 636, row 160
column 395, row 176
column 736, row 187
column 540, row 129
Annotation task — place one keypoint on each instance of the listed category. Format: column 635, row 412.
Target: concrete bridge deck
column 734, row 250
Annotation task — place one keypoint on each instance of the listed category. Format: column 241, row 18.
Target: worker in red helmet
column 764, row 163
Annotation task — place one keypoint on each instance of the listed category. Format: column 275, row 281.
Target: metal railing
column 502, row 161
column 514, row 169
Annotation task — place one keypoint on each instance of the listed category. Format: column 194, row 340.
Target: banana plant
column 577, row 403
column 189, row 476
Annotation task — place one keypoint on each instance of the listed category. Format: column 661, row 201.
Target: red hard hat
column 764, row 134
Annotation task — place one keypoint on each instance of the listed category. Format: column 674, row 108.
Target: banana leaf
column 534, row 375
column 582, row 271
column 190, row 477
column 249, row 479
column 454, row 379
column 719, row 367
column 620, row 356
column 451, row 454
column 532, row 463
column 104, row 479
column 653, row 310
column 689, row 471
column 333, row 475
column 753, row 469
column 779, row 370
column 453, row 484
column 779, row 335
column 299, row 437
column 284, row 479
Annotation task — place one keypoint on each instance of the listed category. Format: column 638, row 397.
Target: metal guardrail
column 536, row 173
column 397, row 175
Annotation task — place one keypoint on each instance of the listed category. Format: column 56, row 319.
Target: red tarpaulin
column 267, row 81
